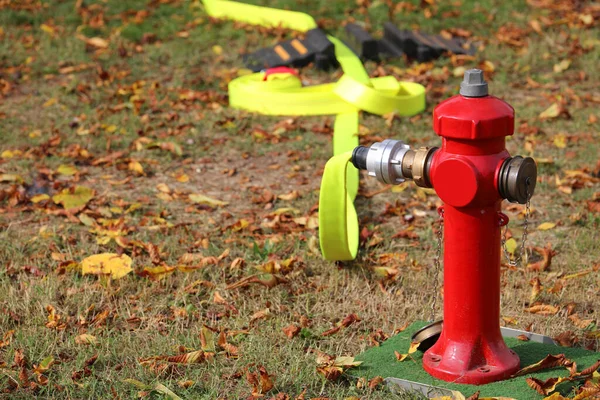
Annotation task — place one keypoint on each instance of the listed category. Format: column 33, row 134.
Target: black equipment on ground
column 315, row 47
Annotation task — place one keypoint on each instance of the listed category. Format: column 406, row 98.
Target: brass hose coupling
column 393, row 162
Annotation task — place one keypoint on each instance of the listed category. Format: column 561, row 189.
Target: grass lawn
column 123, row 105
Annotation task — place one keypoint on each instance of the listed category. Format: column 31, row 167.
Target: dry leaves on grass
column 546, row 387
column 346, row 322
column 542, row 265
column 333, row 367
column 205, row 200
column 160, row 364
column 413, row 348
column 260, row 380
column 158, row 388
column 543, row 309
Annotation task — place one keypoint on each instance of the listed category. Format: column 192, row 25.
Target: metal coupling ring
column 517, row 179
column 384, row 161
column 416, row 165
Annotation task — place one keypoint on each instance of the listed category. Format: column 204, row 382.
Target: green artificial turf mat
column 381, row 361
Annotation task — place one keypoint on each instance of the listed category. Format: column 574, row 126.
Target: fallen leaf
column 86, row 339
column 74, row 199
column 542, row 309
column 547, row 386
column 95, row 41
column 560, row 140
column 67, row 170
column 291, row 331
column 193, row 357
column 550, row 361
column 580, row 323
column 566, row 339
column 261, row 382
column 511, row 245
column 11, row 178
column 205, row 200
column 107, row 264
column 136, row 166
column 562, row 66
column 158, row 272
column 551, row 112
column 293, row 195
column 535, row 289
column 207, row 339
column 547, row 253
column 546, row 226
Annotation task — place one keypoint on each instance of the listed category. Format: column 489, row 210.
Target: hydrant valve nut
column 474, row 84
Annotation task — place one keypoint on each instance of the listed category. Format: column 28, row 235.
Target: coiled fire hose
column 283, row 94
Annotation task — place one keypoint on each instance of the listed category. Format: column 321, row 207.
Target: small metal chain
column 522, row 251
column 437, row 264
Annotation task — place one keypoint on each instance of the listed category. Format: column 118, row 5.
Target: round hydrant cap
column 474, row 84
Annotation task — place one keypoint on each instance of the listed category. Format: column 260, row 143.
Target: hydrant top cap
column 473, row 118
column 474, row 84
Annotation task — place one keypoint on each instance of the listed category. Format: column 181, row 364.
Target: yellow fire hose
column 283, row 94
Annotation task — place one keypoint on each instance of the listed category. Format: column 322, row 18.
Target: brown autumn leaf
column 291, row 331
column 293, row 195
column 207, row 340
column 536, row 288
column 551, row 112
column 231, row 350
column 153, row 252
column 542, row 309
column 261, row 381
column 547, row 253
column 7, row 338
column 157, row 273
column 591, row 369
column 566, row 339
column 550, row 361
column 512, row 35
column 374, row 382
column 474, row 396
column 194, row 357
column 580, row 323
column 268, row 280
column 86, row 338
column 333, row 367
column 587, row 392
column 91, row 361
column 346, row 322
column 399, row 356
column 545, row 387
column 412, row 349
column 262, row 314
column 55, row 320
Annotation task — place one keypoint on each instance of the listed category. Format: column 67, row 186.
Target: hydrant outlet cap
column 474, row 84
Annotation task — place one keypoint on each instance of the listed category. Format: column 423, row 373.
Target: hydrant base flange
column 451, row 366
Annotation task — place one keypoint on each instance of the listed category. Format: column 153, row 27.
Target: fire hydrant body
column 464, row 175
column 472, row 173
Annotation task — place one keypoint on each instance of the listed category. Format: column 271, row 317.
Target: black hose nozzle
column 359, row 157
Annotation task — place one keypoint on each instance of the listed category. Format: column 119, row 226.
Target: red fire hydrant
column 472, row 173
